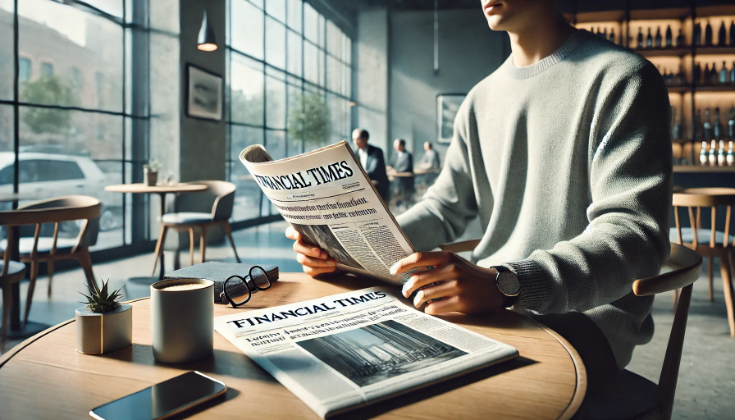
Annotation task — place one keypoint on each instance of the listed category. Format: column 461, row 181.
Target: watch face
column 509, row 284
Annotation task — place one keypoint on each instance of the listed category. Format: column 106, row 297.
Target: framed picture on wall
column 204, row 94
column 447, row 106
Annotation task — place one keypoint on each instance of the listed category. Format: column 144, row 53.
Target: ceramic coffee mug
column 182, row 319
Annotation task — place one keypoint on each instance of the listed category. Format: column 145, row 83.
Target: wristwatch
column 508, row 284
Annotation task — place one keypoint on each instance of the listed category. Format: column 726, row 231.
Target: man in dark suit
column 371, row 159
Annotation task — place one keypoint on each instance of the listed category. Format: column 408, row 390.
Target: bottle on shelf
column 639, row 39
column 696, row 72
column 703, row 154
column 676, row 127
column 668, row 36
column 722, row 36
column 707, row 126
column 721, row 154
column 698, row 126
column 717, row 126
column 657, row 39
column 732, row 33
column 714, row 77
column 679, row 79
column 723, row 74
column 680, row 39
column 604, row 33
column 732, row 74
column 731, row 124
column 649, row 39
column 705, row 75
column 708, row 35
column 697, row 35
column 611, row 38
column 713, row 153
column 730, row 159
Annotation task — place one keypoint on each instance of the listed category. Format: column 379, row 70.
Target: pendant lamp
column 206, row 41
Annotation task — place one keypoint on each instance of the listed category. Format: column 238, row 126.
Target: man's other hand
column 314, row 260
column 461, row 286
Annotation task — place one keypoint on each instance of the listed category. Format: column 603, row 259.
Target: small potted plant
column 104, row 325
column 150, row 172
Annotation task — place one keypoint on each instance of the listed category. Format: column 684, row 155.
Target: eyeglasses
column 238, row 290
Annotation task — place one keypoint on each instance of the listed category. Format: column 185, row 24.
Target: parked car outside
column 50, row 175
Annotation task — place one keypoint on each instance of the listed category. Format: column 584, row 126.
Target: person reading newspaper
column 564, row 155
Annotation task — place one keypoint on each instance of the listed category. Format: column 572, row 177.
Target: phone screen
column 163, row 399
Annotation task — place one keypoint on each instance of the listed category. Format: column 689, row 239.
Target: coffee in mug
column 182, row 320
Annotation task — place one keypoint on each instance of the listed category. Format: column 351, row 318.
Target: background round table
column 44, row 377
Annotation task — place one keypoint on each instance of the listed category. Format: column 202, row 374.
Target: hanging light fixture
column 206, row 41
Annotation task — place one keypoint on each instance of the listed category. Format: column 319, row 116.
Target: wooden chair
column 10, row 272
column 711, row 243
column 219, row 197
column 631, row 396
column 35, row 251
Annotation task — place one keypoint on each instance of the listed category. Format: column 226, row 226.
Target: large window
column 287, row 64
column 65, row 112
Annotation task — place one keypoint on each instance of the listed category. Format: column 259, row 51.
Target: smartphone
column 162, row 400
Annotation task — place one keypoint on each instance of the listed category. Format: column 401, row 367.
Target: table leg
column 163, row 211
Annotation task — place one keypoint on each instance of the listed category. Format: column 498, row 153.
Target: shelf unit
column 636, row 16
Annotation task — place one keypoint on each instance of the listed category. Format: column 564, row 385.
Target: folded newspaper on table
column 344, row 351
column 327, row 197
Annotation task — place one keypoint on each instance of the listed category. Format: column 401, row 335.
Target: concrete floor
column 706, row 379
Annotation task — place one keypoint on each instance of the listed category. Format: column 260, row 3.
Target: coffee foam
column 183, row 286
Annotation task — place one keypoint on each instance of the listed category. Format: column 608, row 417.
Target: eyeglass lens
column 259, row 278
column 236, row 290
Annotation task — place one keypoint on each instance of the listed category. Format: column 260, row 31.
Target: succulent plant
column 99, row 301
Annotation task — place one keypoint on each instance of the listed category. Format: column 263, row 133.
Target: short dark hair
column 431, row 146
column 362, row 133
column 402, row 142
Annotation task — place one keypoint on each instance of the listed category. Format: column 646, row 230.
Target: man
column 403, row 164
column 371, row 159
column 430, row 159
column 430, row 163
column 563, row 154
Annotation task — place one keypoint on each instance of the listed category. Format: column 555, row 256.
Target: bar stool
column 10, row 272
column 711, row 243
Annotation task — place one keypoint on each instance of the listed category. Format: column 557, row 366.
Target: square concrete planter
column 104, row 333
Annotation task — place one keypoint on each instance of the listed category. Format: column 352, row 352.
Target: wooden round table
column 44, row 377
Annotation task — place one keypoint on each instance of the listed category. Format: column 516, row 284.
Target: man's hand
column 314, row 260
column 462, row 286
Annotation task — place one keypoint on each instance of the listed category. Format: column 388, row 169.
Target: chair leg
column 31, row 287
column 50, row 276
column 85, row 260
column 7, row 305
column 727, row 286
column 191, row 246
column 710, row 260
column 203, row 243
column 159, row 247
column 232, row 242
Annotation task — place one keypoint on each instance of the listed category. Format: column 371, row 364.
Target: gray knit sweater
column 567, row 163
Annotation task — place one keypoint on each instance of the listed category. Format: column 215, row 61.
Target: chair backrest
column 56, row 210
column 218, row 198
column 692, row 198
column 685, row 266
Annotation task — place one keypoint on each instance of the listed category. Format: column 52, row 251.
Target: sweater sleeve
column 450, row 204
column 630, row 175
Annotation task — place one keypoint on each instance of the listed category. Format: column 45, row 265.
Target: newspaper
column 344, row 351
column 327, row 197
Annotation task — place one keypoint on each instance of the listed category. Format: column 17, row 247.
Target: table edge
column 5, row 358
column 580, row 388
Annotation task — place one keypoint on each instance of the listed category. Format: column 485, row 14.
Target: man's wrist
column 508, row 284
